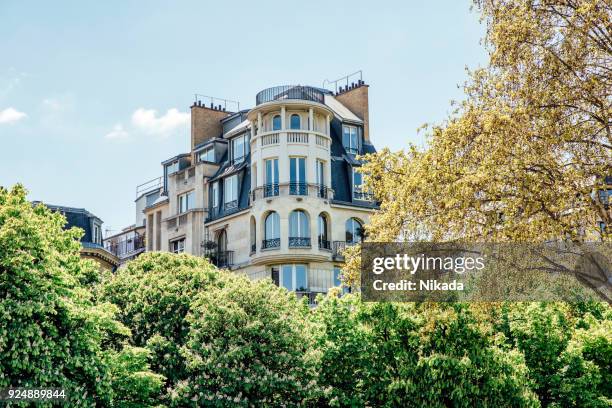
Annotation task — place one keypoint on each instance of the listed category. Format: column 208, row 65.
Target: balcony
column 284, row 92
column 299, row 242
column 318, row 137
column 324, row 244
column 338, row 249
column 311, row 296
column 126, row 246
column 298, row 188
column 273, row 243
column 291, row 189
column 222, row 259
column 363, row 196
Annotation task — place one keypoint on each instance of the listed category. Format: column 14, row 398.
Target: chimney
column 205, row 123
column 356, row 100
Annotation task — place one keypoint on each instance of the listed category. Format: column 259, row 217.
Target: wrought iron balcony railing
column 284, row 189
column 296, row 188
column 270, row 243
column 223, row 259
column 324, row 244
column 299, row 242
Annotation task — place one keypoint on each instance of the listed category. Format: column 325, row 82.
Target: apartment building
column 272, row 191
column 91, row 241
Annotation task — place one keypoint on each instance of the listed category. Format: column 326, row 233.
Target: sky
column 95, row 95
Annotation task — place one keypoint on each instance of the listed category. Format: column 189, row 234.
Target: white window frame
column 293, row 272
column 232, row 182
column 215, row 194
column 186, row 201
column 180, row 246
column 274, row 165
column 320, row 172
column 350, row 139
column 207, row 155
column 245, row 142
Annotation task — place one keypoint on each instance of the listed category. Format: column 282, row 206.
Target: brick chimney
column 355, row 98
column 205, row 123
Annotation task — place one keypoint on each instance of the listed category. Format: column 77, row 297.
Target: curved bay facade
column 271, row 192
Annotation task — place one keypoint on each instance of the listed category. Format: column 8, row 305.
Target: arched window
column 354, row 231
column 299, row 229
column 272, row 231
column 323, row 232
column 276, row 122
column 295, row 121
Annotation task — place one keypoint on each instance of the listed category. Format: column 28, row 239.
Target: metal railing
column 126, row 246
column 270, row 243
column 271, row 190
column 299, row 242
column 312, row 296
column 339, row 247
column 297, row 188
column 282, row 92
column 223, row 259
column 284, row 189
column 324, row 244
column 148, row 186
column 363, row 195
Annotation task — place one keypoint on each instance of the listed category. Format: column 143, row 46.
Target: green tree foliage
column 569, row 365
column 51, row 332
column 407, row 355
column 249, row 345
column 154, row 294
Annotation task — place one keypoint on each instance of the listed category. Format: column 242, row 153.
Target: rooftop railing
column 148, row 186
column 279, row 93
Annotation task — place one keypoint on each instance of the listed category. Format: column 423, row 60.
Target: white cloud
column 10, row 115
column 118, row 133
column 148, row 121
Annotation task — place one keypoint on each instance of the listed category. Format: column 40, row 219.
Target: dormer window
column 350, row 139
column 207, row 155
column 239, row 148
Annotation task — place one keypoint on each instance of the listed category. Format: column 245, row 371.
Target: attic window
column 350, row 140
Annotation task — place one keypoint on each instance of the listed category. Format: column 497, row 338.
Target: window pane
column 301, row 282
column 293, row 224
column 295, row 121
column 272, row 226
column 292, row 170
column 337, row 281
column 276, row 122
column 302, row 169
column 304, row 228
column 287, row 278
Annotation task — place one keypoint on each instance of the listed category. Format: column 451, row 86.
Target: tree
column 414, row 355
column 154, row 294
column 522, row 156
column 51, row 332
column 249, row 345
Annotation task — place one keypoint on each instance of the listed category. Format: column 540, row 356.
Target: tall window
column 350, row 139
column 271, row 231
column 294, row 277
column 215, row 194
column 276, row 122
column 271, row 187
column 239, row 148
column 320, row 172
column 299, row 229
column 207, row 155
column 354, row 231
column 253, row 235
column 231, row 191
column 297, row 176
column 323, row 234
column 295, row 121
column 357, row 184
column 186, row 202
